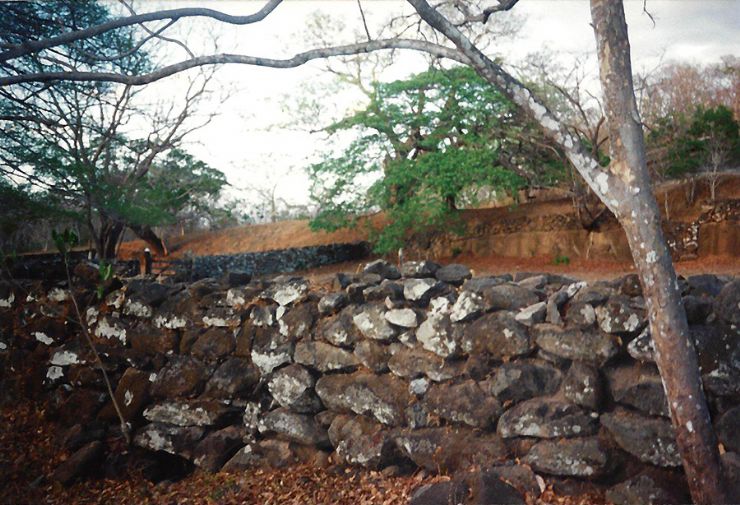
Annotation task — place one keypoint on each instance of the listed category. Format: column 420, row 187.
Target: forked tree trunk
column 638, row 213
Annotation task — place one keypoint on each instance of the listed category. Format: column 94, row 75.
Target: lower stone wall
column 535, row 378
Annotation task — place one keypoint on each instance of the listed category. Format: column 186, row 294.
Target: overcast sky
column 247, row 143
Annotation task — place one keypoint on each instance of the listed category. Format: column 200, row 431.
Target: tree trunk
column 107, row 238
column 639, row 215
column 147, row 234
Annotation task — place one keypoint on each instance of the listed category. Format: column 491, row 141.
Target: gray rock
column 522, row 380
column 487, row 488
column 439, row 493
column 642, row 490
column 450, row 449
column 650, row 439
column 181, row 377
column 617, row 316
column 382, row 268
column 418, row 269
column 323, row 357
column 546, row 418
column 263, row 315
column 217, row 447
column 405, row 318
column 479, row 284
column 640, row 387
column 508, row 297
column 595, row 294
column 286, row 293
column 705, row 285
column 189, row 413
column 641, row 347
column 383, row 397
column 570, row 457
column 214, row 344
column 294, row 427
column 419, row 386
column 373, row 355
column 176, row 440
column 332, row 303
column 582, row 385
column 727, row 303
column 580, row 315
column 465, row 403
column 534, row 314
column 727, row 429
column 132, row 393
column 371, row 322
column 453, row 273
column 385, row 290
column 414, row 363
column 234, row 378
column 293, row 388
column 340, row 330
column 360, row 441
column 298, row 321
column 271, row 349
column 584, row 345
column 498, row 335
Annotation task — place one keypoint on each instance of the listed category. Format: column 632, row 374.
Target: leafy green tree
column 424, row 146
column 74, row 143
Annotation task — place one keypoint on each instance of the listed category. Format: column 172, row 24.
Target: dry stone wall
column 420, row 366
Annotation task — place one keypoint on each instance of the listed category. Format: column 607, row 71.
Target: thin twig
column 364, row 21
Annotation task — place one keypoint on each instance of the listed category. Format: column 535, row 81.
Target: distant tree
column 72, row 143
column 429, row 142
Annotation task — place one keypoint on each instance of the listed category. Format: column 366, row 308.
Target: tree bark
column 639, row 215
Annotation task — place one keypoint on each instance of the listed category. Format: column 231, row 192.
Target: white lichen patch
column 267, row 362
column 54, row 373
column 235, row 298
column 137, row 309
column 3, row 346
column 128, row 397
column 6, row 303
column 172, row 323
column 64, row 358
column 651, row 257
column 105, row 330
column 43, row 338
column 602, row 183
column 91, row 316
column 58, row 295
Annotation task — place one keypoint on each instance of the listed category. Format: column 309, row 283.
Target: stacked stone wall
column 530, row 378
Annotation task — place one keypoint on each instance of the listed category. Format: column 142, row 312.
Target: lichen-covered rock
column 299, row 428
column 189, row 413
column 360, row 441
column 594, row 294
column 479, row 284
column 546, row 418
column 522, row 380
column 332, row 303
column 221, row 317
column 235, row 377
column 382, row 268
column 386, row 290
column 534, row 314
column 582, row 385
column 498, row 335
column 618, row 316
column 132, row 393
column 571, row 343
column 293, row 388
column 508, row 297
column 214, row 344
column 727, row 303
column 181, row 377
column 640, row 387
column 421, row 290
column 150, row 340
column 437, row 335
column 641, row 347
column 650, row 439
column 371, row 322
column 298, row 321
column 468, row 306
column 642, row 490
column 450, row 449
column 404, row 318
column 271, row 349
column 415, row 363
column 286, row 293
column 580, row 315
column 453, row 273
column 323, row 357
column 111, row 331
column 465, row 403
column 176, row 440
column 217, row 448
column 340, row 330
column 383, row 397
column 373, row 355
column 569, row 457
column 419, row 269
column 263, row 315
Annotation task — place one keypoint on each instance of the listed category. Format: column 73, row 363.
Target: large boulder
column 437, row 335
column 383, row 397
column 546, row 418
column 293, row 388
column 294, row 427
column 359, row 440
column 650, row 439
column 467, row 307
column 569, row 457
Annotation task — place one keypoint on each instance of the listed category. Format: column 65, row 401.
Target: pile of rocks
column 417, row 366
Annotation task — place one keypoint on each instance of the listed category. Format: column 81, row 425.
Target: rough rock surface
column 517, row 381
column 546, row 418
column 498, row 335
column 650, row 439
column 464, row 403
column 584, row 345
column 570, row 457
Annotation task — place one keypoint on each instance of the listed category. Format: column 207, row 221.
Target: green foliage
column 423, row 147
column 561, row 259
column 105, row 273
column 65, row 240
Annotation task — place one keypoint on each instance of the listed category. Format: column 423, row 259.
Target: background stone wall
column 393, row 369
